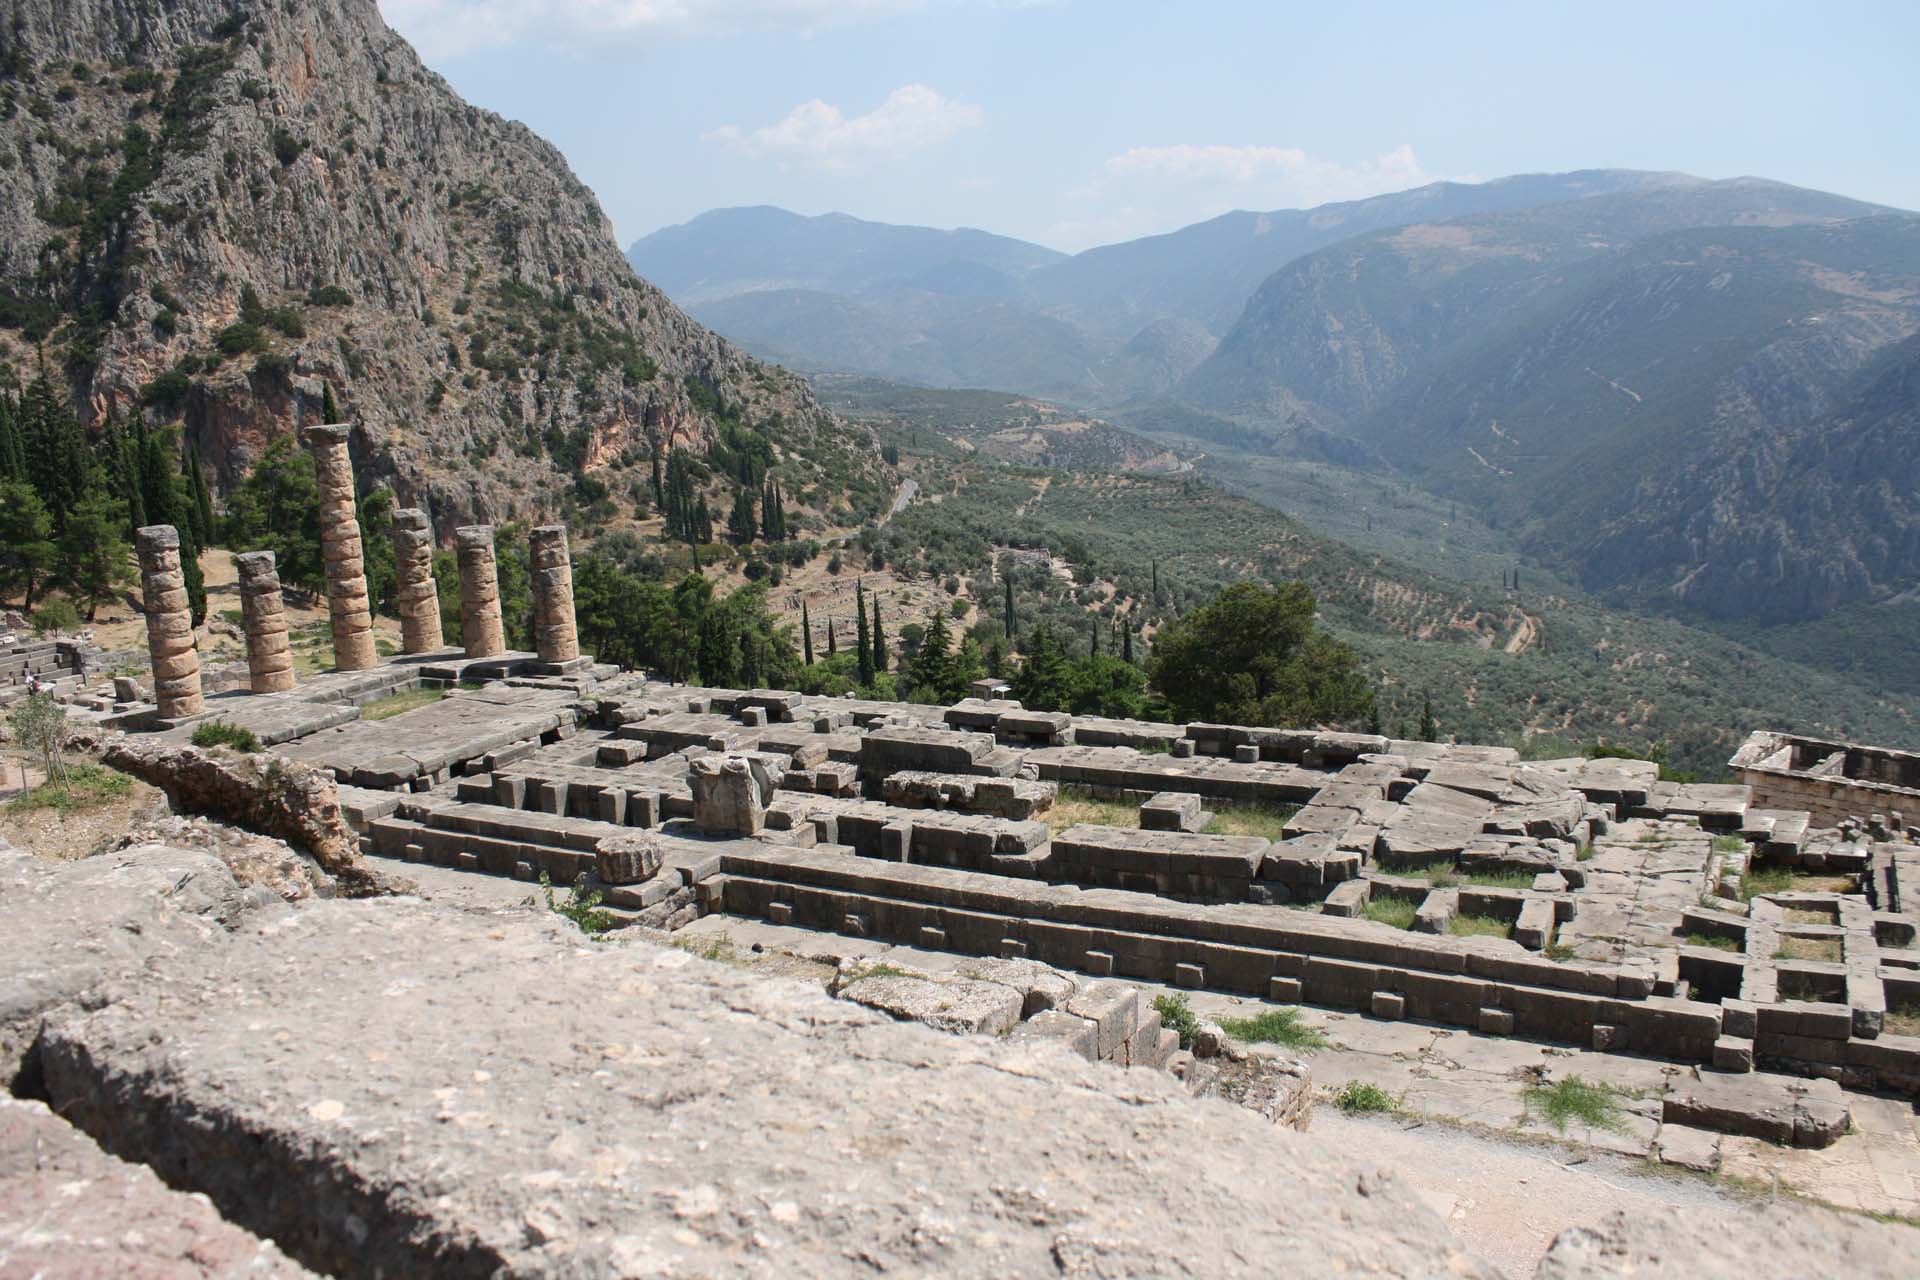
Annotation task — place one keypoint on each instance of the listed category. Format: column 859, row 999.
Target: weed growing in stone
column 1177, row 1016
column 1356, row 1097
column 397, row 704
column 1593, row 1104
column 1904, row 1021
column 1472, row 926
column 1398, row 912
column 1275, row 1026
column 1711, row 940
column 218, row 733
column 1269, row 821
column 1729, row 844
column 582, row 906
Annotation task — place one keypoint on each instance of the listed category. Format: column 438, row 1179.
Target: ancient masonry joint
column 417, row 596
column 163, row 589
column 347, row 601
column 264, row 616
column 481, row 629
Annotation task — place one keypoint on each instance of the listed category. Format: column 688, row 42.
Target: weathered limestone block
column 481, row 628
column 730, row 794
column 132, row 1223
column 417, row 595
column 264, row 616
column 266, row 794
column 347, row 602
column 628, row 859
column 554, row 635
column 163, row 590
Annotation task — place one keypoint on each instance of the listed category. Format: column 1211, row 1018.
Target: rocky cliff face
column 207, row 212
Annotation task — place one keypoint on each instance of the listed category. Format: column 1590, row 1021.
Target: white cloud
column 449, row 28
column 1284, row 171
column 912, row 117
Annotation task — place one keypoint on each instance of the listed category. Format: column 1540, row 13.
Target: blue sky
column 1079, row 122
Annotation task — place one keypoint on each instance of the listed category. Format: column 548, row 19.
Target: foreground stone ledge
column 674, row 1116
column 1766, row 1240
column 69, row 1210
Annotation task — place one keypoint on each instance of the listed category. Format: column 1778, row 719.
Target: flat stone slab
column 70, row 1211
column 420, row 1117
column 465, row 725
column 1783, row 1109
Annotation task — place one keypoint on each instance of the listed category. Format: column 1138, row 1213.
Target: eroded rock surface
column 425, row 1117
column 70, row 1211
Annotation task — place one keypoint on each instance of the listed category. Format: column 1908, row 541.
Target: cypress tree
column 200, row 510
column 833, row 646
column 1429, row 728
column 879, row 640
column 742, row 523
column 860, row 648
column 13, row 457
column 1009, row 585
column 659, row 484
column 1126, row 644
column 329, row 411
column 806, row 632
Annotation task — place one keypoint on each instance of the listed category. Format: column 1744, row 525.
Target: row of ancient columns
column 170, row 639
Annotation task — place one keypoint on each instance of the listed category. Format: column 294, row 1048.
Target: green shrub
column 582, row 906
column 57, row 614
column 85, row 786
column 240, row 337
column 330, row 295
column 1356, row 1097
column 1178, row 1017
column 218, row 733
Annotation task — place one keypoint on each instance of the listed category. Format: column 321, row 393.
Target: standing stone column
column 418, row 595
column 264, row 617
column 347, row 602
column 163, row 592
column 554, row 635
column 481, row 629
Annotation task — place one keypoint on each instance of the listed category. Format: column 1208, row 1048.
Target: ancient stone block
column 730, row 794
column 628, row 859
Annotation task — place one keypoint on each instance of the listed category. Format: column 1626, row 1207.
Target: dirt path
column 1509, row 1200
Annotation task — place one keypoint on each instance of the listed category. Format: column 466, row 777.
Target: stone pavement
column 1480, row 1082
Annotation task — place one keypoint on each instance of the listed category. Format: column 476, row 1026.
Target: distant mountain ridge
column 968, row 308
column 1665, row 394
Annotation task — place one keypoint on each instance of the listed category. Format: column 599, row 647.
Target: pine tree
column 806, row 632
column 861, row 650
column 27, row 552
column 879, row 640
column 92, row 552
column 931, row 672
column 200, row 513
column 742, row 524
column 702, row 529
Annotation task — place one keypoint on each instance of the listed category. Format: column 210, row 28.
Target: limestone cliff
column 207, row 211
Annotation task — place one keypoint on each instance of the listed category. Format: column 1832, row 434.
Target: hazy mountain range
column 1668, row 386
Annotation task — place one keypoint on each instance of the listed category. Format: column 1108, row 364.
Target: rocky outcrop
column 74, row 928
column 237, row 205
column 1783, row 1239
column 267, row 794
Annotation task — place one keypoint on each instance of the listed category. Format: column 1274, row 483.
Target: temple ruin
column 1758, row 936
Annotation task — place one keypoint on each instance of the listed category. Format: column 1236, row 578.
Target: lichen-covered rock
column 262, row 793
column 75, row 927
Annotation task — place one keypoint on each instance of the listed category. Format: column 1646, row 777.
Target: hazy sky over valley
column 1080, row 122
